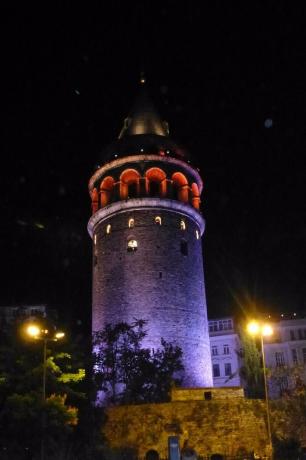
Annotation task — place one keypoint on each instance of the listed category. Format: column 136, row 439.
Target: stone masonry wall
column 217, row 426
column 157, row 283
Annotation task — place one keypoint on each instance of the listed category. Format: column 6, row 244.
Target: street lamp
column 255, row 328
column 37, row 332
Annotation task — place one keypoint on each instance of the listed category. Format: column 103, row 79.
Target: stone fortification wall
column 217, row 426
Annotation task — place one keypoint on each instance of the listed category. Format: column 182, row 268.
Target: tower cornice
column 134, row 204
column 144, row 158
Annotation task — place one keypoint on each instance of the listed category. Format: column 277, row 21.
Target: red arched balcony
column 180, row 186
column 129, row 184
column 195, row 196
column 106, row 190
column 94, row 200
column 156, row 182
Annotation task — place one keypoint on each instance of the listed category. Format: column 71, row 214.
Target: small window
column 216, row 370
column 108, row 229
column 183, row 225
column 184, row 248
column 292, row 337
column 160, row 275
column 197, row 234
column 304, row 355
column 158, row 220
column 95, row 238
column 132, row 246
column 227, row 369
column 294, row 356
column 214, row 350
column 226, row 350
column 279, row 359
column 131, row 223
column 207, row 395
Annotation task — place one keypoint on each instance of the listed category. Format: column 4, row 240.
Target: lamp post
column 37, row 332
column 263, row 330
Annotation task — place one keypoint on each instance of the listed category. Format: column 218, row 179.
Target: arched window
column 106, row 190
column 131, row 222
column 156, row 182
column 129, row 184
column 195, row 196
column 158, row 220
column 180, row 186
column 182, row 225
column 132, row 245
column 108, row 229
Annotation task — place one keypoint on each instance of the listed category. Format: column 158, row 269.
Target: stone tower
column 146, row 228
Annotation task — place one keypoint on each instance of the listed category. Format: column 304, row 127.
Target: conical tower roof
column 143, row 118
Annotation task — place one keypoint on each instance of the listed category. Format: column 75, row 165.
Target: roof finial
column 142, row 78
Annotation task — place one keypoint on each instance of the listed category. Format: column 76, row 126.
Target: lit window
column 95, row 238
column 158, row 220
column 183, row 225
column 227, row 369
column 108, row 229
column 132, row 246
column 216, row 370
column 197, row 234
column 131, row 223
column 214, row 350
column 226, row 350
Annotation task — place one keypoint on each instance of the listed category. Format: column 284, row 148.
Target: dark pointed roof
column 143, row 118
column 143, row 131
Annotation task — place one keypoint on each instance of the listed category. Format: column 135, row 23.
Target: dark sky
column 230, row 78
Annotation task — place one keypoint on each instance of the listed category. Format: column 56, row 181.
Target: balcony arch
column 106, row 190
column 180, row 186
column 94, row 200
column 129, row 184
column 195, row 196
column 156, row 182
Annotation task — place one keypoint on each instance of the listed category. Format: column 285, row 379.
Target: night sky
column 230, row 78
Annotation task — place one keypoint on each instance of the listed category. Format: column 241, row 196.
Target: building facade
column 225, row 346
column 146, row 228
column 285, row 354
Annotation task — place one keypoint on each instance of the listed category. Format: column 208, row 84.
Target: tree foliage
column 24, row 416
column 127, row 373
column 289, row 416
column 251, row 370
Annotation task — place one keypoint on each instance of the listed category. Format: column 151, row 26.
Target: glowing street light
column 255, row 328
column 37, row 332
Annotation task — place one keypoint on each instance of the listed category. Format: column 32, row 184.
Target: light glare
column 253, row 328
column 267, row 330
column 33, row 330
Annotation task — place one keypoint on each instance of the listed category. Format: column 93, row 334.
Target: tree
column 22, row 406
column 251, row 370
column 127, row 373
column 289, row 416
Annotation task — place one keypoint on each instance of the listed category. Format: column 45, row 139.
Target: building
column 146, row 228
column 285, row 355
column 18, row 313
column 225, row 346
